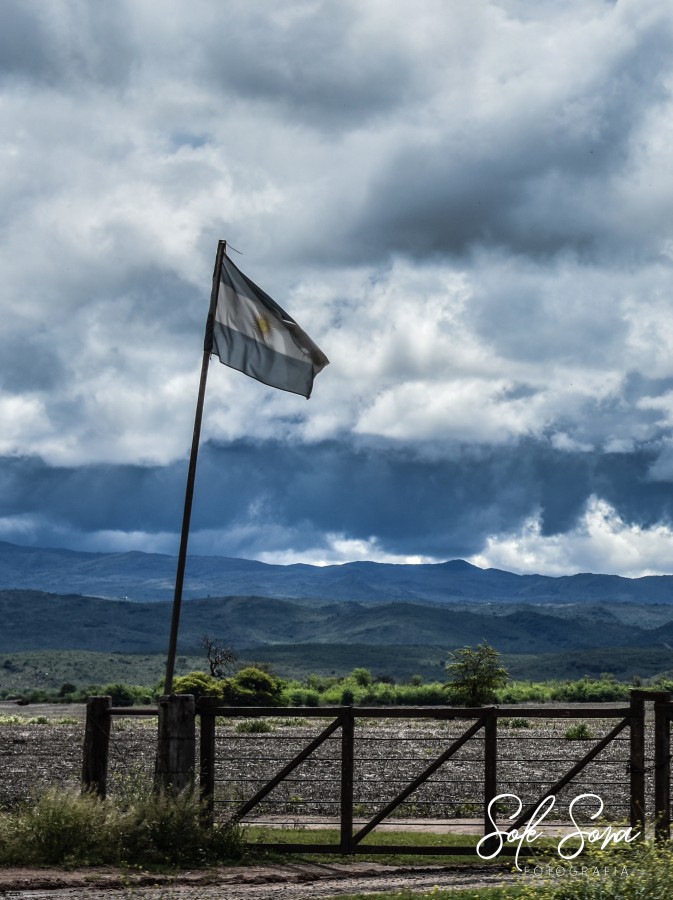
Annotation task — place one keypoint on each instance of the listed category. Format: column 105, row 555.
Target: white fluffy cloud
column 469, row 209
column 601, row 542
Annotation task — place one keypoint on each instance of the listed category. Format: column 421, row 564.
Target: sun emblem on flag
column 263, row 326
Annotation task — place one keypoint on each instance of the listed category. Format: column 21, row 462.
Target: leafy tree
column 122, row 694
column 476, row 674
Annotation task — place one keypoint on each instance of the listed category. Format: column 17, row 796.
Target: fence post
column 207, row 762
column 662, row 771
column 490, row 766
column 176, row 743
column 347, row 761
column 96, row 745
column 637, row 761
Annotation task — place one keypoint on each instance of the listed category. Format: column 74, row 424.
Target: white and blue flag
column 251, row 333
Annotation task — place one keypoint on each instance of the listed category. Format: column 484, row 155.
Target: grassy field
column 49, row 669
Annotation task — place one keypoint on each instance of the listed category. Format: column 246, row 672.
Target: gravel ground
column 389, row 753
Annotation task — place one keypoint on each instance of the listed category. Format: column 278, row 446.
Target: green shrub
column 362, row 677
column 252, row 687
column 590, row 690
column 420, row 694
column 161, row 828
column 254, row 726
column 146, row 828
column 60, row 827
column 640, row 871
column 122, row 694
column 514, row 723
column 579, row 732
column 303, row 697
column 199, row 684
column 320, row 683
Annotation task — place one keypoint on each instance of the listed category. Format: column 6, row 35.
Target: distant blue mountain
column 150, row 577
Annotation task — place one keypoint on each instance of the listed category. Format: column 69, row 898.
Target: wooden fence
column 473, row 745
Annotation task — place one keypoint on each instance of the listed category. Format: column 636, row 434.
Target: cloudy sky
column 469, row 207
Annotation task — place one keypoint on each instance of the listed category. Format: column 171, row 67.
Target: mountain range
column 150, row 577
column 400, row 618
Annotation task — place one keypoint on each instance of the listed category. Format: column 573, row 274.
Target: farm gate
column 356, row 771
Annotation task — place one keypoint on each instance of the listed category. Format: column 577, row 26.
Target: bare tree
column 221, row 658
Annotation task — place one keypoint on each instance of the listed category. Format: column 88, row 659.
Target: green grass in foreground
column 506, row 893
column 258, row 835
column 63, row 828
column 641, row 872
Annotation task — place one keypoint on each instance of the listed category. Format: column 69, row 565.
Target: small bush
column 362, row 677
column 514, row 723
column 147, row 828
column 254, row 726
column 303, row 697
column 122, row 694
column 60, row 827
column 579, row 732
column 199, row 684
column 161, row 828
column 642, row 871
column 12, row 719
column 252, row 687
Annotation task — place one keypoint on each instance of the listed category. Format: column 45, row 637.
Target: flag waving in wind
column 251, row 333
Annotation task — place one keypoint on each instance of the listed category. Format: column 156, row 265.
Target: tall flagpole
column 191, row 475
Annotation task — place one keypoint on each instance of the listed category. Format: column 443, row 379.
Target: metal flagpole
column 191, row 475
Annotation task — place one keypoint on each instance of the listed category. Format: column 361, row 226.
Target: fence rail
column 356, row 768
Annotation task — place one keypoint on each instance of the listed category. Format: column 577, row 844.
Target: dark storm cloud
column 247, row 494
column 29, row 366
column 57, row 42
column 25, row 45
column 318, row 64
column 537, row 182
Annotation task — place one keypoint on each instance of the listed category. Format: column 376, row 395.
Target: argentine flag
column 251, row 333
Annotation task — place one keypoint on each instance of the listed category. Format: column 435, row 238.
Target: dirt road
column 300, row 881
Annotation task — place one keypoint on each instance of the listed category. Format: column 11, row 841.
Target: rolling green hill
column 33, row 620
column 49, row 669
column 52, row 638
